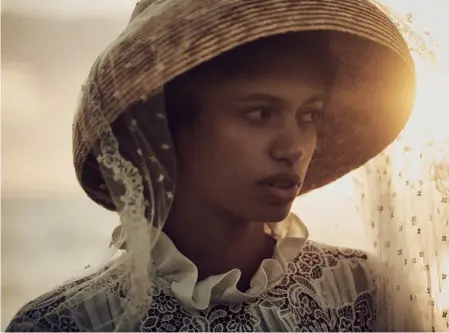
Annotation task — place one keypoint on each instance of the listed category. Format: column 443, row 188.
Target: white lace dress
column 305, row 287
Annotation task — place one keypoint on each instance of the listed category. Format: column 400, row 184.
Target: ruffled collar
column 180, row 275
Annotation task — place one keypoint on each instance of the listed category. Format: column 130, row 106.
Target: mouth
column 282, row 187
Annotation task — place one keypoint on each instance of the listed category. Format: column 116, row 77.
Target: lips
column 282, row 186
column 282, row 180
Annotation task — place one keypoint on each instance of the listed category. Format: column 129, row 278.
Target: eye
column 311, row 115
column 260, row 114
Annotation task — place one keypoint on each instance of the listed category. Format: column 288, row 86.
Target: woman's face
column 248, row 151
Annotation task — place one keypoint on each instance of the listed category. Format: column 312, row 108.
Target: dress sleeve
column 28, row 322
column 45, row 314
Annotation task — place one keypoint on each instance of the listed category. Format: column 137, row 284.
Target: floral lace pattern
column 325, row 289
column 45, row 319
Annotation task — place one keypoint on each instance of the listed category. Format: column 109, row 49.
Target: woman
column 198, row 126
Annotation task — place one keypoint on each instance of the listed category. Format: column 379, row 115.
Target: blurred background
column 50, row 230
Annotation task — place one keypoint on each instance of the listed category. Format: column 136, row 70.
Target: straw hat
column 370, row 103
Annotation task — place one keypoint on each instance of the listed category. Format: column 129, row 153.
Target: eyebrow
column 266, row 97
column 315, row 99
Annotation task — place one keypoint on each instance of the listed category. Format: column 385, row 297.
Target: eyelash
column 262, row 111
column 315, row 114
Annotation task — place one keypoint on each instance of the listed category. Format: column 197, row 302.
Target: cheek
column 231, row 153
column 240, row 146
column 311, row 148
column 310, row 138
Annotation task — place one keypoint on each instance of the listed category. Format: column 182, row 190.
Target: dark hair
column 181, row 106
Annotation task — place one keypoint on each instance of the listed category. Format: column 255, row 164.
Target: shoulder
column 46, row 313
column 328, row 256
column 328, row 288
column 335, row 253
column 72, row 307
column 337, row 268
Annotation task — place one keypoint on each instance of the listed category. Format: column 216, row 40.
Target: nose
column 290, row 144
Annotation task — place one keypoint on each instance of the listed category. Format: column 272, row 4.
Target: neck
column 217, row 242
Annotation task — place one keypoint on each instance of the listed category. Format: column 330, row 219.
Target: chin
column 271, row 214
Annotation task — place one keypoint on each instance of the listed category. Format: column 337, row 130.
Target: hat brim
column 370, row 103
